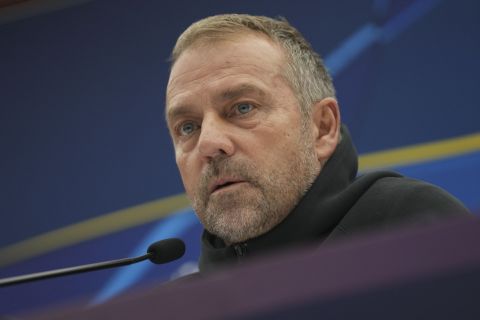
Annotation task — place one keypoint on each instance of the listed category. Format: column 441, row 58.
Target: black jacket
column 340, row 204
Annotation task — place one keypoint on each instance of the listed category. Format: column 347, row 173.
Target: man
column 261, row 150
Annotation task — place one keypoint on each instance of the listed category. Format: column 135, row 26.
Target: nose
column 215, row 138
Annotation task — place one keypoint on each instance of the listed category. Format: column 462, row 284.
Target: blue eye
column 187, row 128
column 244, row 108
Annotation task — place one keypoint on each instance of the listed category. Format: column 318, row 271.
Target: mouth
column 224, row 183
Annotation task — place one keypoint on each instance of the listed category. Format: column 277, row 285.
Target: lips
column 221, row 183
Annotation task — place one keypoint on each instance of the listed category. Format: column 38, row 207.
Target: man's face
column 236, row 126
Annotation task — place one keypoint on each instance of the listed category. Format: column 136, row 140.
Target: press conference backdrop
column 87, row 170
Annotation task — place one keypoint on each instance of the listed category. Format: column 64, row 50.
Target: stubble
column 267, row 197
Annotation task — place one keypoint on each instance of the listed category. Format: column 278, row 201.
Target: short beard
column 266, row 200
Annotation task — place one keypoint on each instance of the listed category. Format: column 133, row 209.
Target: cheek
column 188, row 172
column 271, row 144
column 182, row 165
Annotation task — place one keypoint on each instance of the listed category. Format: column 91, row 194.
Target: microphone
column 162, row 251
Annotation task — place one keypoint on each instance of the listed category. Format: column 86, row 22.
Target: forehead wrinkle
column 197, row 79
column 239, row 91
column 198, row 84
column 225, row 67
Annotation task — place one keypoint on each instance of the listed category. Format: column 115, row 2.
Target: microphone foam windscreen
column 167, row 250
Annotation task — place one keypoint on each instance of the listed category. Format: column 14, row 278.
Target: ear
column 326, row 118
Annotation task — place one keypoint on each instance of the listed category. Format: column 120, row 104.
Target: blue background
column 82, row 129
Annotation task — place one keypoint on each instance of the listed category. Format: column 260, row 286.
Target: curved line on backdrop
column 92, row 228
column 150, row 211
column 173, row 226
column 371, row 33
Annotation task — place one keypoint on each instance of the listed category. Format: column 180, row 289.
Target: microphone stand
column 72, row 270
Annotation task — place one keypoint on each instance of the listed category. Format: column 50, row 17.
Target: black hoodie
column 340, row 204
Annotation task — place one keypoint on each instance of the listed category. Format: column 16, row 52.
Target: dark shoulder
column 395, row 201
column 419, row 197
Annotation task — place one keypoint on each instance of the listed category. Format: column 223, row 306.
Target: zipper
column 240, row 249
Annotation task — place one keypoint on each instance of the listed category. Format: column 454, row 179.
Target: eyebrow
column 226, row 95
column 176, row 112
